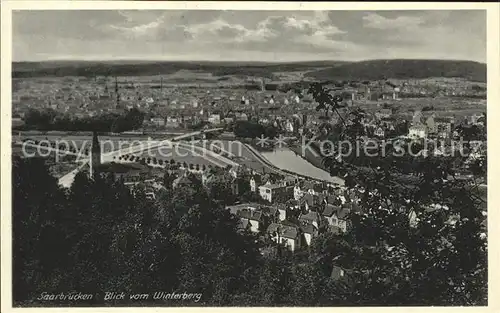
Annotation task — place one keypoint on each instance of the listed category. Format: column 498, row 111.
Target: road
column 67, row 179
column 108, row 157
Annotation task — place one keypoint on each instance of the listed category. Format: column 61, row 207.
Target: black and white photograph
column 285, row 157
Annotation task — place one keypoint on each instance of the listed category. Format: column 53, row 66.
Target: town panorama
column 232, row 181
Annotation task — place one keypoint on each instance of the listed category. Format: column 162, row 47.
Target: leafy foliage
column 100, row 236
column 50, row 120
column 247, row 129
column 416, row 238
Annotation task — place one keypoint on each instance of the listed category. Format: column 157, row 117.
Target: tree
column 51, row 120
column 470, row 133
column 37, row 208
column 116, row 239
column 415, row 237
column 326, row 101
column 168, row 179
column 247, row 129
column 405, row 233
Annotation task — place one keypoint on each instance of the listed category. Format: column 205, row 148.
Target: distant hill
column 316, row 70
column 401, row 69
column 145, row 68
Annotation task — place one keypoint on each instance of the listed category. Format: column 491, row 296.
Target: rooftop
column 311, row 216
column 272, row 186
column 286, row 231
column 250, row 214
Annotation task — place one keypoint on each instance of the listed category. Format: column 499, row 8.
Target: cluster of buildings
column 395, row 89
column 441, row 127
column 286, row 210
column 292, row 212
column 442, row 87
column 166, row 105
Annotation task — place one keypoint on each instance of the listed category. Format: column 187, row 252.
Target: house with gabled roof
column 312, row 187
column 309, row 231
column 330, row 214
column 282, row 208
column 379, row 132
column 271, row 212
column 292, row 205
column 254, row 218
column 255, row 182
column 287, row 234
column 313, row 218
column 289, row 181
column 336, row 216
column 298, row 192
column 309, row 202
column 342, row 217
column 272, row 192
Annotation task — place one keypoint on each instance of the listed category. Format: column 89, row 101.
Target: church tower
column 117, row 95
column 95, row 155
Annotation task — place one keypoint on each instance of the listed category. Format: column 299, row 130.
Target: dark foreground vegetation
column 47, row 120
column 100, row 236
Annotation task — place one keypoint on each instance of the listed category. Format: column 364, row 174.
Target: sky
column 224, row 35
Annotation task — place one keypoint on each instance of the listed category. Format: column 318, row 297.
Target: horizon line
column 239, row 61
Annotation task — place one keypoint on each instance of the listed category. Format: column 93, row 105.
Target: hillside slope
column 318, row 70
column 402, row 69
column 144, row 68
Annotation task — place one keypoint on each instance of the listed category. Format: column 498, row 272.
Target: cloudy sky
column 248, row 35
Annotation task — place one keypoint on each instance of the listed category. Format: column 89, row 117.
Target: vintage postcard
column 221, row 154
